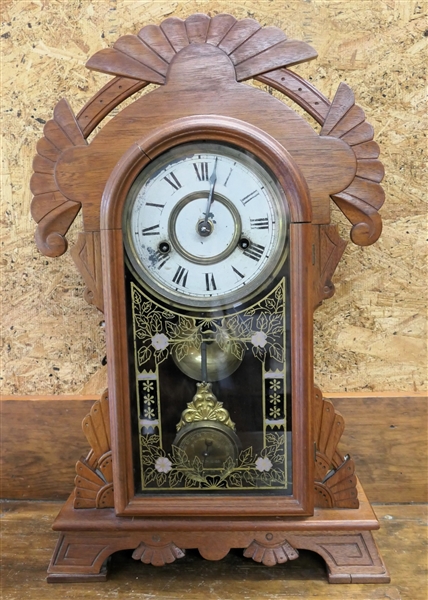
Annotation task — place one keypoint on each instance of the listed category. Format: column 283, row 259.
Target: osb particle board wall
column 371, row 335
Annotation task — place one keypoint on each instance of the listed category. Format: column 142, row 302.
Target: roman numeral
column 151, row 230
column 180, row 277
column 156, row 205
column 240, row 275
column 260, row 223
column 254, row 251
column 210, row 282
column 159, row 259
column 227, row 178
column 201, row 171
column 173, row 181
column 249, row 197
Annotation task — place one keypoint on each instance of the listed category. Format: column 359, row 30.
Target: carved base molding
column 342, row 537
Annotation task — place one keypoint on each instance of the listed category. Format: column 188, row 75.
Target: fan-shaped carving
column 92, row 489
column 96, row 427
column 94, row 474
column 335, row 482
column 251, row 48
column 271, row 555
column 328, row 429
column 52, row 211
column 361, row 200
column 339, row 487
column 158, row 556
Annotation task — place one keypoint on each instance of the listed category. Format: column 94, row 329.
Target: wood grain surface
column 28, row 543
column 386, row 436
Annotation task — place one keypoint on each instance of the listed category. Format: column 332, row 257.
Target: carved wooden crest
column 237, row 51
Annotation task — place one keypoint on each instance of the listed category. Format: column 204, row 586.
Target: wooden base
column 88, row 537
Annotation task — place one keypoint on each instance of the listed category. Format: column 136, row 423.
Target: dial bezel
column 274, row 197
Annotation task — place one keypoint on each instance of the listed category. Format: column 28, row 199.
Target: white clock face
column 205, row 225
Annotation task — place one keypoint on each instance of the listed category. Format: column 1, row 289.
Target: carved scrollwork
column 343, row 119
column 53, row 212
column 269, row 554
column 253, row 49
column 94, row 474
column 156, row 555
column 335, row 480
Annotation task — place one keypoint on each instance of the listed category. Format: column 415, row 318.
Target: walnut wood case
column 199, row 66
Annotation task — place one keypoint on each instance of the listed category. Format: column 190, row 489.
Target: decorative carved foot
column 271, row 555
column 79, row 558
column 158, row 556
column 83, row 556
column 351, row 557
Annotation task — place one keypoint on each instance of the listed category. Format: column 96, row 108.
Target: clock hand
column 205, row 227
column 205, row 454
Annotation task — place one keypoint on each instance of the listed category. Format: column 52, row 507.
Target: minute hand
column 213, row 180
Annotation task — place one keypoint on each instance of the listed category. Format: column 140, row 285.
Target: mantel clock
column 207, row 244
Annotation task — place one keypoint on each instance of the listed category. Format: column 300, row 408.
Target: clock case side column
column 118, row 367
column 301, row 324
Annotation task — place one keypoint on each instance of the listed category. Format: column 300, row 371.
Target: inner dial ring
column 184, row 222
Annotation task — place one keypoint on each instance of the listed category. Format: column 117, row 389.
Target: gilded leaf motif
column 149, row 476
column 182, row 350
column 237, row 349
column 236, row 480
column 262, row 322
column 175, row 478
column 246, row 457
column 277, row 352
column 137, row 298
column 143, row 355
column 172, row 330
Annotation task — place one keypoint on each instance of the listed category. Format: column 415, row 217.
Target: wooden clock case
column 199, row 65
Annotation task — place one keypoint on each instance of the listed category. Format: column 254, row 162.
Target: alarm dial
column 214, row 444
column 205, row 225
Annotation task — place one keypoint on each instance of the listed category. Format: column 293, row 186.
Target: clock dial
column 205, row 225
column 212, row 443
